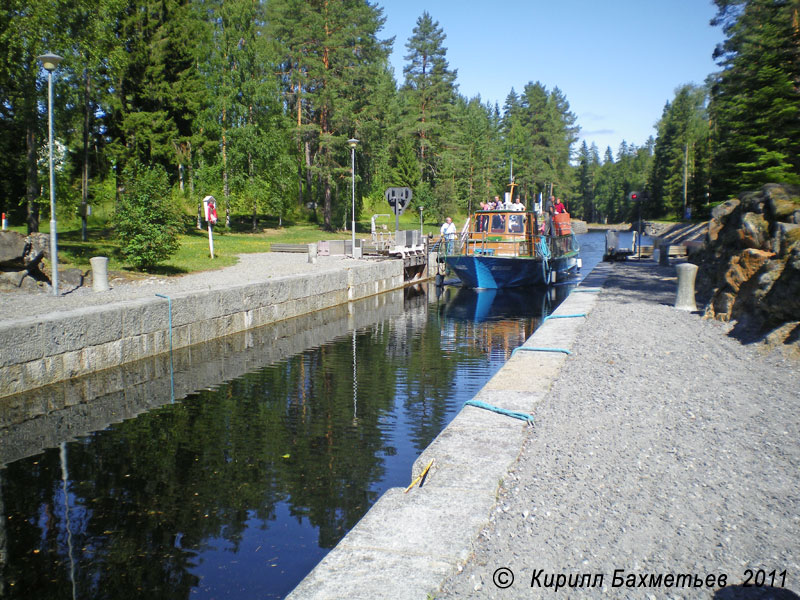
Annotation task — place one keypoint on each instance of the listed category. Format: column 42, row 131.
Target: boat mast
column 511, row 183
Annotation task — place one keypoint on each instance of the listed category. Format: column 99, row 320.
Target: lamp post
column 353, row 142
column 50, row 63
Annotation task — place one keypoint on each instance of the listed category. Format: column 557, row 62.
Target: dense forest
column 254, row 101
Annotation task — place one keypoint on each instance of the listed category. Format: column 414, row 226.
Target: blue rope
column 502, row 411
column 169, row 304
column 564, row 316
column 532, row 349
column 544, row 248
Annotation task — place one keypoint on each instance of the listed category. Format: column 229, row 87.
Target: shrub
column 146, row 220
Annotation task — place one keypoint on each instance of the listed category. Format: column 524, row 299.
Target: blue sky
column 617, row 61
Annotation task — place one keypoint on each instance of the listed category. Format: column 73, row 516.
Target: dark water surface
column 239, row 489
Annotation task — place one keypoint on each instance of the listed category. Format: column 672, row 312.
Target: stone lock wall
column 42, row 350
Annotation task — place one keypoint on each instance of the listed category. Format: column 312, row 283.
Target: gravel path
column 251, row 268
column 664, row 447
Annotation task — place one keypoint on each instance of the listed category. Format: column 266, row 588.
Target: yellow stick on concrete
column 419, row 477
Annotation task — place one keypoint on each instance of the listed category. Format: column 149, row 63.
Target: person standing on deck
column 449, row 233
column 549, row 211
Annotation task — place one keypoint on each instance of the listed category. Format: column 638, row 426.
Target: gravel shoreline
column 251, row 268
column 665, row 446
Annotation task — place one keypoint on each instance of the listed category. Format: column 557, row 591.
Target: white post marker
column 210, row 211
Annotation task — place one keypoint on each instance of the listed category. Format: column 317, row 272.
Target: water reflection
column 468, row 304
column 239, row 488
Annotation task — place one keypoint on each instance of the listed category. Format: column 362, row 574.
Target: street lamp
column 50, row 63
column 353, row 142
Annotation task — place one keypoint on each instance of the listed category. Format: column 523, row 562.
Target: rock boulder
column 12, row 248
column 24, row 261
column 750, row 268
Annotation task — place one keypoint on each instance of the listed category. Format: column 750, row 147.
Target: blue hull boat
column 509, row 248
column 495, row 272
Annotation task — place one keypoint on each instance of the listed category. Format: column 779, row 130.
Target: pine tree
column 682, row 132
column 584, row 208
column 517, row 147
column 539, row 131
column 245, row 114
column 29, row 28
column 534, row 166
column 90, row 26
column 755, row 100
column 607, row 188
column 406, row 172
column 157, row 88
column 473, row 141
column 334, row 59
column 561, row 134
column 429, row 91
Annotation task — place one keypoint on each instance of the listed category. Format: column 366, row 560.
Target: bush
column 146, row 220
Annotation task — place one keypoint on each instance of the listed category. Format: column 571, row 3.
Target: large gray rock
column 12, row 281
column 38, row 248
column 24, row 264
column 12, row 248
column 751, row 269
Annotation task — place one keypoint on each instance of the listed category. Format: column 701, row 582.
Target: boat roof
column 506, row 210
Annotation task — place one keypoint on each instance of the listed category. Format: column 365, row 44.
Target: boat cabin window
column 481, row 223
column 498, row 223
column 515, row 223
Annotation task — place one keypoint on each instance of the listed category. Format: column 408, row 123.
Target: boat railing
column 488, row 244
column 541, row 246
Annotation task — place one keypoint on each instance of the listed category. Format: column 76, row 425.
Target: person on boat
column 449, row 233
column 518, row 205
column 549, row 211
column 559, row 207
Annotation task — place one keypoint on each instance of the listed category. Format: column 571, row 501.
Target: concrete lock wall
column 38, row 351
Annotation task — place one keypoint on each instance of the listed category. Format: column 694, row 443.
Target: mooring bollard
column 99, row 273
column 312, row 254
column 687, row 273
column 663, row 257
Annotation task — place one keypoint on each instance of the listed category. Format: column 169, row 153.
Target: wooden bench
column 289, row 248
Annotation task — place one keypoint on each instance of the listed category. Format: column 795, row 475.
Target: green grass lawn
column 193, row 254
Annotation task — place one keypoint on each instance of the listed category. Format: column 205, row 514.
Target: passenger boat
column 508, row 248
